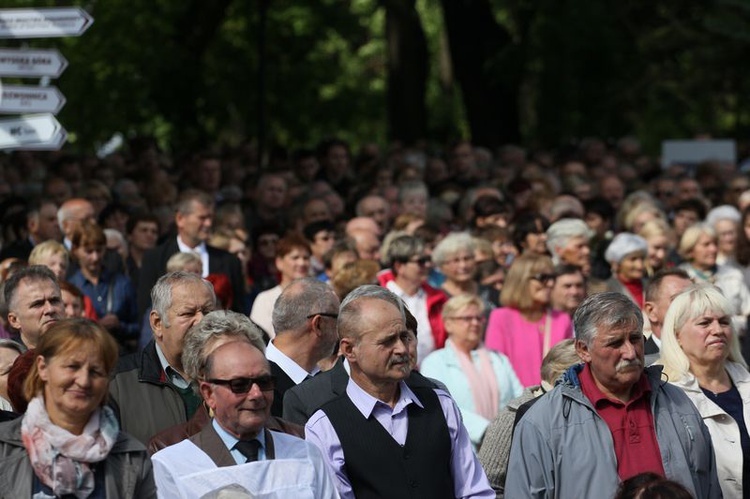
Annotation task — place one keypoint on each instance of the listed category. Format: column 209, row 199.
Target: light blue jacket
column 563, row 449
column 443, row 365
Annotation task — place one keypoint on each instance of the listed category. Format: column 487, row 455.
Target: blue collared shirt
column 230, row 441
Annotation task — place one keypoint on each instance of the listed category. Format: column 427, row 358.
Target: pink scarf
column 482, row 381
column 59, row 458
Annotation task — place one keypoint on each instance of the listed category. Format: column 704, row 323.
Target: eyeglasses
column 241, row 386
column 544, row 278
column 468, row 318
column 422, row 261
column 324, row 314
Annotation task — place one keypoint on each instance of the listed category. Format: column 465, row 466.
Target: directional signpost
column 35, row 131
column 32, row 63
column 21, row 132
column 21, row 99
column 43, row 23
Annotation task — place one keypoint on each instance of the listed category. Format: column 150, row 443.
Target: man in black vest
column 382, row 438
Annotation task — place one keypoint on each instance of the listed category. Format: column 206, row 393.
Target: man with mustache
column 382, row 438
column 609, row 419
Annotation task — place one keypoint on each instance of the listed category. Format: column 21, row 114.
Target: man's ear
column 156, row 324
column 346, row 348
column 650, row 309
column 207, row 392
column 13, row 320
column 583, row 351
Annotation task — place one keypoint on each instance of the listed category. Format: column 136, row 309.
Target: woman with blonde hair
column 660, row 238
column 699, row 248
column 69, row 444
column 525, row 328
column 481, row 381
column 55, row 257
column 700, row 353
column 52, row 255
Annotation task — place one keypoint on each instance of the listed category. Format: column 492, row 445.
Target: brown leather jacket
column 180, row 432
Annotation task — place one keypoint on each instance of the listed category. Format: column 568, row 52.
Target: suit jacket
column 283, row 383
column 301, row 401
column 209, row 442
column 219, row 262
column 650, row 350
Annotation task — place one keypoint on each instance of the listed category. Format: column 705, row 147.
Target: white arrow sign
column 20, row 99
column 25, row 132
column 31, row 63
column 43, row 23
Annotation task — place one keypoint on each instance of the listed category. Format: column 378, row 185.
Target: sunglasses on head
column 241, row 386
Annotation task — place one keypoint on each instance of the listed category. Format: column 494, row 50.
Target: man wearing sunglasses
column 381, row 438
column 225, row 353
column 304, row 318
column 407, row 279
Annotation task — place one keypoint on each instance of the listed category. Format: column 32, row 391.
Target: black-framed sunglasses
column 241, row 386
column 422, row 261
column 324, row 314
column 544, row 278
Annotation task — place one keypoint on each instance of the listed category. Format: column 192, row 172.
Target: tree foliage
column 537, row 71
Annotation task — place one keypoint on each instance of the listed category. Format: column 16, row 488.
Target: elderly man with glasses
column 235, row 451
column 407, row 279
column 304, row 318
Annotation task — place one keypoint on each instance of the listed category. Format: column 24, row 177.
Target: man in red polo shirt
column 609, row 419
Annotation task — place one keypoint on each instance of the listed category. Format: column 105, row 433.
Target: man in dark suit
column 302, row 401
column 225, row 354
column 194, row 214
column 660, row 291
column 304, row 318
column 41, row 225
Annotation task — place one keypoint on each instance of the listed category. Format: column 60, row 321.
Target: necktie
column 249, row 449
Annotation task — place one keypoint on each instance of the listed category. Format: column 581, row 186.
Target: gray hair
column 32, row 273
column 563, row 230
column 11, row 345
column 350, row 313
column 200, row 339
column 605, row 310
column 402, row 248
column 452, row 244
column 161, row 293
column 185, row 203
column 302, row 298
column 413, row 186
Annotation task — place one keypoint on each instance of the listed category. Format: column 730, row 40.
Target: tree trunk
column 484, row 66
column 407, row 71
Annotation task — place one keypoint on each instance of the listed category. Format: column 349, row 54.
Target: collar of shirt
column 656, row 340
column 173, row 376
column 599, row 398
column 392, row 286
column 230, row 441
column 291, row 368
column 366, row 403
column 199, row 250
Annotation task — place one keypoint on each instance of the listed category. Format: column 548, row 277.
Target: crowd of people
column 415, row 322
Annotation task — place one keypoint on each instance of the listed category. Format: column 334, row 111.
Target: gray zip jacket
column 563, row 449
column 128, row 473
